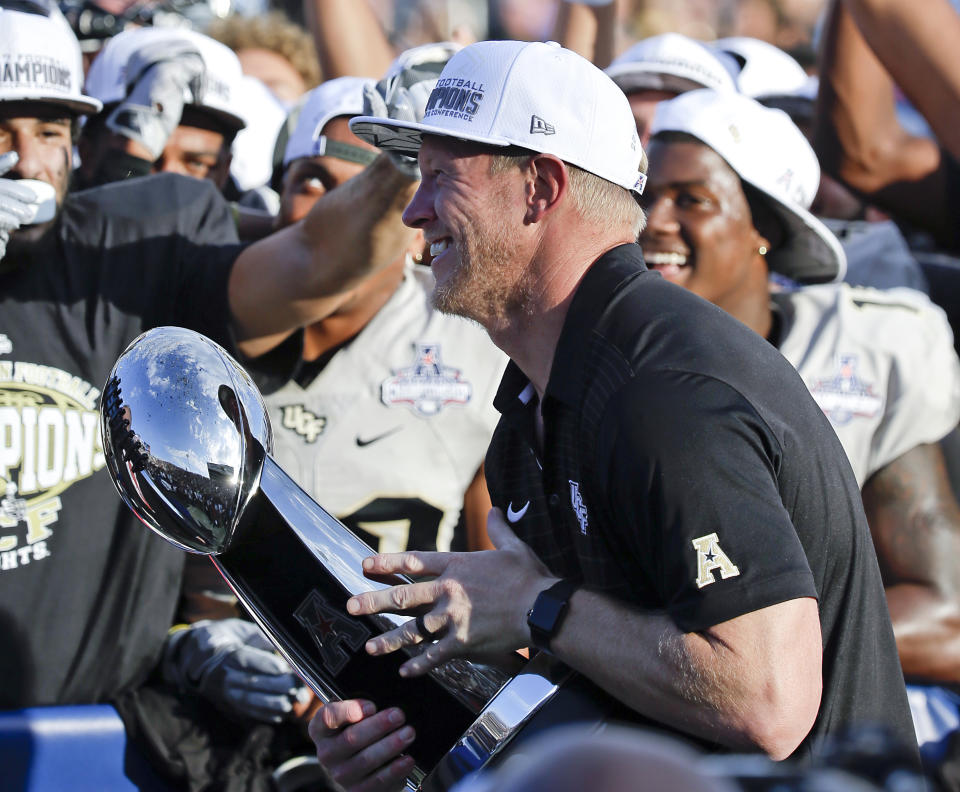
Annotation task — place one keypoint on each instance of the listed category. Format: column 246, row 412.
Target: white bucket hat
column 763, row 69
column 672, row 62
column 107, row 78
column 342, row 96
column 40, row 61
column 537, row 95
column 767, row 151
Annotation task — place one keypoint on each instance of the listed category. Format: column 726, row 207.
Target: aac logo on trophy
column 330, row 631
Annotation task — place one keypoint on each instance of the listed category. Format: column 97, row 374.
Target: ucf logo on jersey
column 49, row 439
column 300, row 420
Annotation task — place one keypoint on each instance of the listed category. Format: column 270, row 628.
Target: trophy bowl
column 185, row 432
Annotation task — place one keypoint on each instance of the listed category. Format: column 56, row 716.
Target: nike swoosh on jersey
column 361, row 442
column 512, row 515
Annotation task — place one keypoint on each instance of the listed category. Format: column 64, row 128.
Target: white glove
column 163, row 76
column 403, row 93
column 17, row 201
column 232, row 664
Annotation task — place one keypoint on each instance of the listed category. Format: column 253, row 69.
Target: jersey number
column 391, row 525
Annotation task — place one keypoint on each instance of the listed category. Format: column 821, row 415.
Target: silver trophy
column 187, row 440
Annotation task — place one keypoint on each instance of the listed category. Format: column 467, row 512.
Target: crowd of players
column 811, row 208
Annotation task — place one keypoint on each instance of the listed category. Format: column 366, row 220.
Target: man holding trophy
column 675, row 518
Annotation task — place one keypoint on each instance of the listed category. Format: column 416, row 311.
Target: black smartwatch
column 547, row 614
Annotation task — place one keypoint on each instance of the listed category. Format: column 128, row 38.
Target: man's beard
column 484, row 287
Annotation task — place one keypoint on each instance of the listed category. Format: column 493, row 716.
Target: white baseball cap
column 40, row 61
column 762, row 68
column 767, row 151
column 672, row 62
column 107, row 77
column 536, row 95
column 342, row 96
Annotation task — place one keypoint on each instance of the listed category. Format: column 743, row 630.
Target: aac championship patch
column 845, row 395
column 427, row 386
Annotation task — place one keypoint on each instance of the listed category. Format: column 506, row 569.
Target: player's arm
column 917, row 44
column 915, row 522
column 860, row 140
column 349, row 38
column 588, row 29
column 301, row 273
column 476, row 507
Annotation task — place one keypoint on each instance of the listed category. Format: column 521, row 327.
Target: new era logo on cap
column 540, row 127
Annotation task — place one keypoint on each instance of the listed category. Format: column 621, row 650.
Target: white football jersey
column 881, row 365
column 392, row 431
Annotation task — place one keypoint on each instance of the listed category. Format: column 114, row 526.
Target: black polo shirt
column 687, row 469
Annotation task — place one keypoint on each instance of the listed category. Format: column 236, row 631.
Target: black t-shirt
column 86, row 592
column 687, row 470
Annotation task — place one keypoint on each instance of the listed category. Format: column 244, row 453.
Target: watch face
column 546, row 615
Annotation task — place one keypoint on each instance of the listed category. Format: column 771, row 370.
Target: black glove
column 232, row 663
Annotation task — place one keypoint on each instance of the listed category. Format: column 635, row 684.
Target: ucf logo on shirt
column 49, row 438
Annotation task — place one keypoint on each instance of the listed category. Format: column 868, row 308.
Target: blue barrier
column 70, row 749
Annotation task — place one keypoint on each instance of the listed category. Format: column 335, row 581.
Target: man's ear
column 546, row 187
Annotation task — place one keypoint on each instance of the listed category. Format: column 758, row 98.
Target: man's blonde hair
column 596, row 200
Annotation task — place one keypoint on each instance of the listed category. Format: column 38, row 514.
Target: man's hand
column 476, row 604
column 162, row 77
column 17, row 201
column 232, row 663
column 403, row 93
column 362, row 749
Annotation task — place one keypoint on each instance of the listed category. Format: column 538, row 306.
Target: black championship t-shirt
column 86, row 592
column 688, row 470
